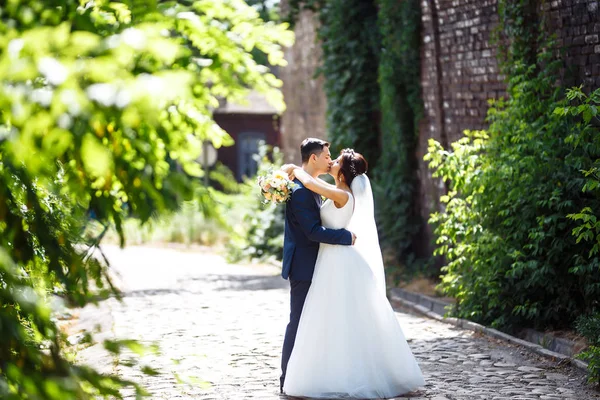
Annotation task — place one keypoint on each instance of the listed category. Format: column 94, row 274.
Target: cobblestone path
column 220, row 329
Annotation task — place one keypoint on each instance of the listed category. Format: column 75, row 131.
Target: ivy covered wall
column 460, row 70
column 398, row 72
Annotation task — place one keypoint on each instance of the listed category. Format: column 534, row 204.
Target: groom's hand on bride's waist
column 353, row 238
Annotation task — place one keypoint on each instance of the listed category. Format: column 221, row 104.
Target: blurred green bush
column 104, row 108
column 257, row 227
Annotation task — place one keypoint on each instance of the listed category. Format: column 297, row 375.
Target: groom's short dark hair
column 312, row 146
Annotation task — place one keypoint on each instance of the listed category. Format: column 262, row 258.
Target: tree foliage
column 105, row 106
column 268, row 10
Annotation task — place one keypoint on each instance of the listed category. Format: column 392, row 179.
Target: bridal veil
column 363, row 225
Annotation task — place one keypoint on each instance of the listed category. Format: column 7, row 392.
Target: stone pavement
column 220, row 329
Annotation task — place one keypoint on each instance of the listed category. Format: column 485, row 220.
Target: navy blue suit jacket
column 304, row 232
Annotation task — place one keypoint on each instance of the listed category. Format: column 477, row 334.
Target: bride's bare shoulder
column 346, row 200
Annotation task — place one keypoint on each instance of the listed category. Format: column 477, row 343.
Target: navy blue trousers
column 298, row 292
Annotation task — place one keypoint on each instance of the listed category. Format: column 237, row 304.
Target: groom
column 303, row 233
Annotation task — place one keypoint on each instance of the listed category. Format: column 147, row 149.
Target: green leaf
column 150, row 371
column 97, row 160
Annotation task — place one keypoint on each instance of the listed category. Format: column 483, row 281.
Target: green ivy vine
column 518, row 35
column 351, row 45
column 401, row 109
column 371, row 65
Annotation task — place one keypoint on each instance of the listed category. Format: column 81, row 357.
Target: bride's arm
column 319, row 186
column 289, row 168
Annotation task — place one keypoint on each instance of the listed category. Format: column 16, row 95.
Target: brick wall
column 304, row 95
column 576, row 24
column 459, row 69
column 459, row 73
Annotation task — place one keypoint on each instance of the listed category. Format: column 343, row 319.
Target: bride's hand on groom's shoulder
column 288, row 168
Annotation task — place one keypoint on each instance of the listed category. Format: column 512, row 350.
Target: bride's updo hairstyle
column 352, row 165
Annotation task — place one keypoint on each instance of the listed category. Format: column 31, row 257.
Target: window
column 247, row 148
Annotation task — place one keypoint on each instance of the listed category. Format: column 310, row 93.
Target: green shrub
column 519, row 231
column 506, row 234
column 589, row 326
column 257, row 227
column 583, row 112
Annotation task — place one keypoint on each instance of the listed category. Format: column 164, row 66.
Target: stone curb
column 400, row 295
column 553, row 343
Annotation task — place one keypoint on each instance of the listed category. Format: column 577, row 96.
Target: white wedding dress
column 349, row 343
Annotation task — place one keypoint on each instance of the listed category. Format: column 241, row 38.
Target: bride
column 349, row 343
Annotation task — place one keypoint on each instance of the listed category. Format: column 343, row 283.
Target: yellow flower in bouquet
column 275, row 186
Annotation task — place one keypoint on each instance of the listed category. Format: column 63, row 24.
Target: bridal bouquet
column 275, row 186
